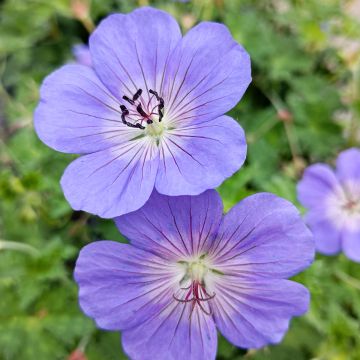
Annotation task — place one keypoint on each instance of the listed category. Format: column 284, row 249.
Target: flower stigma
column 194, row 284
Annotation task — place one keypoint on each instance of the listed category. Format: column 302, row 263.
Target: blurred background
column 303, row 106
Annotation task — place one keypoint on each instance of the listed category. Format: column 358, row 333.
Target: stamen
column 124, row 110
column 154, row 93
column 124, row 113
column 137, row 95
column 196, row 295
column 160, row 105
column 203, row 310
column 132, row 102
column 161, row 115
column 139, row 110
column 182, row 300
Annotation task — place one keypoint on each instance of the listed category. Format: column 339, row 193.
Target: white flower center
column 197, row 284
column 156, row 129
column 344, row 206
column 197, row 271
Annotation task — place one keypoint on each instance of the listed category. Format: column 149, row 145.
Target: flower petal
column 121, row 286
column 77, row 114
column 112, row 182
column 131, row 52
column 317, row 183
column 173, row 334
column 174, row 227
column 200, row 157
column 351, row 244
column 348, row 165
column 254, row 313
column 207, row 75
column 327, row 235
column 263, row 234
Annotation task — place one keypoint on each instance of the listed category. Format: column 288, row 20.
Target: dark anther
column 124, row 110
column 161, row 115
column 141, row 111
column 124, row 113
column 137, row 95
column 123, row 119
column 137, row 125
column 132, row 102
column 149, row 121
column 161, row 103
column 153, row 92
column 158, row 98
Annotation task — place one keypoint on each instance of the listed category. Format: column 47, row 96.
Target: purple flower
column 190, row 270
column 82, row 54
column 333, row 201
column 149, row 114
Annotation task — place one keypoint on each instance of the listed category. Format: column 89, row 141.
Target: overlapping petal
column 121, row 286
column 113, row 181
column 207, row 75
column 348, row 165
column 253, row 313
column 172, row 334
column 174, row 227
column 132, row 51
column 327, row 235
column 351, row 244
column 77, row 114
column 199, row 157
column 263, row 234
column 318, row 182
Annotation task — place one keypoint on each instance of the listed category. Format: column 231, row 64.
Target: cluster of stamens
column 139, row 112
column 196, row 295
column 196, row 292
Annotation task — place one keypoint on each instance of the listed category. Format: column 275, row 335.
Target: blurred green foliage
column 303, row 106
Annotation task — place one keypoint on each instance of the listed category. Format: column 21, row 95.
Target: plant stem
column 355, row 283
column 17, row 246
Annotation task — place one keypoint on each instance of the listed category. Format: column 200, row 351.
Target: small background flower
column 189, row 270
column 333, row 202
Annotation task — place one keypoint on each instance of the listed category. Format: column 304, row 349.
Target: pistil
column 196, row 292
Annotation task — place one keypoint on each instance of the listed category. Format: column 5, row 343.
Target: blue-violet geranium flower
column 189, row 270
column 148, row 114
column 333, row 201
